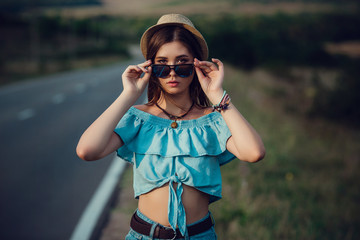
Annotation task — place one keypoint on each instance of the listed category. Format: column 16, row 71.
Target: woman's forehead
column 173, row 50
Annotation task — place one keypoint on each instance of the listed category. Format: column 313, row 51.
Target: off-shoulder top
column 190, row 154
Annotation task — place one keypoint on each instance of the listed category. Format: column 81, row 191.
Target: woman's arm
column 99, row 139
column 245, row 143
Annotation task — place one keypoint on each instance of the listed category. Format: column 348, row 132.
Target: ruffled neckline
column 210, row 117
column 147, row 134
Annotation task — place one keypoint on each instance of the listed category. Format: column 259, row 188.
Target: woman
column 176, row 141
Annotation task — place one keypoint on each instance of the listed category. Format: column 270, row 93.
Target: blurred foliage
column 7, row 6
column 34, row 45
column 281, row 41
column 42, row 44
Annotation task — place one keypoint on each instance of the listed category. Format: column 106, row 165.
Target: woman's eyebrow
column 182, row 56
column 177, row 57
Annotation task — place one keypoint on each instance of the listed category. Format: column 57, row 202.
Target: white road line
column 80, row 88
column 58, row 98
column 90, row 217
column 26, row 114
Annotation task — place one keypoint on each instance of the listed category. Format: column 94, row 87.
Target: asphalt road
column 44, row 186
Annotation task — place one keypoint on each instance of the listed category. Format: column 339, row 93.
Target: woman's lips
column 173, row 83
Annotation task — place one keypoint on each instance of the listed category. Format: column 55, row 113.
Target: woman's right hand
column 99, row 139
column 132, row 80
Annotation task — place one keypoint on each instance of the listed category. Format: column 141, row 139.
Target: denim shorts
column 207, row 235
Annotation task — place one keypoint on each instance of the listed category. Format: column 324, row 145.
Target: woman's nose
column 172, row 72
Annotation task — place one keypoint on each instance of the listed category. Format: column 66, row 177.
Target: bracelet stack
column 223, row 104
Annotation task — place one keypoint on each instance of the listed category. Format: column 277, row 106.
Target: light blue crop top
column 190, row 154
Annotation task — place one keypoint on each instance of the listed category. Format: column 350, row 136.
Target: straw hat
column 171, row 20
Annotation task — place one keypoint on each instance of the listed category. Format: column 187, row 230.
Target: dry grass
column 349, row 48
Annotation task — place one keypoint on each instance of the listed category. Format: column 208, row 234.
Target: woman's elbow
column 85, row 154
column 256, row 156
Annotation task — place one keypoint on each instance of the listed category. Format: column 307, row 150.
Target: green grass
column 305, row 188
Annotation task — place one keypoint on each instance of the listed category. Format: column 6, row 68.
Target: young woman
column 177, row 141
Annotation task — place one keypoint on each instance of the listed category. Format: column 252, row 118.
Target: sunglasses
column 182, row 70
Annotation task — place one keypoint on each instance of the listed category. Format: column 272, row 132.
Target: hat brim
column 151, row 30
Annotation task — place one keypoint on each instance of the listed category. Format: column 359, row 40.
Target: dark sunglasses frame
column 162, row 71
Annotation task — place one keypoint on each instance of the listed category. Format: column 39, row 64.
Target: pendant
column 174, row 124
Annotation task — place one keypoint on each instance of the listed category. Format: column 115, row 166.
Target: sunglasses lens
column 184, row 70
column 161, row 70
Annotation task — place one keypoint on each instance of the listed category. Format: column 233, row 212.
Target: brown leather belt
column 143, row 227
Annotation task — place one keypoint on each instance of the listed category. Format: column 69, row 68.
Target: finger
column 201, row 75
column 138, row 68
column 147, row 74
column 200, row 64
column 205, row 65
column 144, row 66
column 200, row 67
column 207, row 69
column 133, row 69
column 219, row 63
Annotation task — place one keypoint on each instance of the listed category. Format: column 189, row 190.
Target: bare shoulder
column 142, row 107
column 195, row 113
column 208, row 110
column 200, row 112
column 205, row 110
column 147, row 108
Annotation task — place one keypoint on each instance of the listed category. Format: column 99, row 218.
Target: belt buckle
column 158, row 234
column 175, row 235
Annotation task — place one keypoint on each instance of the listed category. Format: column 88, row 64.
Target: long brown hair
column 170, row 34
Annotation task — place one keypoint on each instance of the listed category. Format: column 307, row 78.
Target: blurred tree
column 10, row 6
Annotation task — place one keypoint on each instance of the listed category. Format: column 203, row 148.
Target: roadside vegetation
column 307, row 185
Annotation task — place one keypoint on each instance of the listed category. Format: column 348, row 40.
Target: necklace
column 173, row 117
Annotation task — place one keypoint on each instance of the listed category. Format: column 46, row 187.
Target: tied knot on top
column 174, row 178
column 176, row 210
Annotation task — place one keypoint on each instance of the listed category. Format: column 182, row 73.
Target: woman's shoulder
column 202, row 111
column 195, row 113
column 142, row 107
column 145, row 108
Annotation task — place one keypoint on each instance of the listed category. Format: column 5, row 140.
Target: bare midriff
column 154, row 204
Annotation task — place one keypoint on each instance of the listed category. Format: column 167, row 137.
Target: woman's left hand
column 211, row 78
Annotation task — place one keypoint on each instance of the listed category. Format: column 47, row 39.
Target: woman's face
column 174, row 53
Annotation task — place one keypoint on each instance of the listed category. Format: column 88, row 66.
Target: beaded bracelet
column 223, row 104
